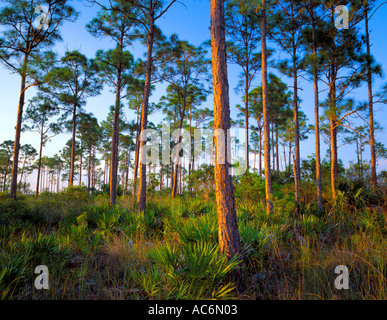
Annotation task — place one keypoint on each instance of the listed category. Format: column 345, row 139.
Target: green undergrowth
column 171, row 251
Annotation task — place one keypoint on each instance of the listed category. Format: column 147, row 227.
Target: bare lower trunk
column 227, row 221
column 115, row 141
column 5, row 174
column 141, row 198
column 89, row 170
column 72, row 161
column 277, row 148
column 370, row 107
column 80, row 164
column 136, row 157
column 247, row 118
column 16, row 147
column 296, row 188
column 260, row 151
column 39, row 166
column 317, row 122
column 333, row 138
column 266, row 113
column 297, row 160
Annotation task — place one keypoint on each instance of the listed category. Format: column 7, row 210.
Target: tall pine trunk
column 141, row 198
column 136, row 155
column 297, row 161
column 39, row 164
column 227, row 222
column 115, row 142
column 80, row 163
column 370, row 104
column 316, row 118
column 16, row 148
column 72, row 160
column 247, row 118
column 333, row 118
column 266, row 114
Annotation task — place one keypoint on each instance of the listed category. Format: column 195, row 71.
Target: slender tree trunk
column 89, row 170
column 58, row 181
column 277, row 148
column 333, row 138
column 167, row 178
column 273, row 145
column 136, row 155
column 39, row 165
column 80, row 163
column 227, row 222
column 374, row 181
column 72, row 161
column 21, row 174
column 255, row 158
column 317, row 119
column 5, row 174
column 115, row 141
column 266, row 113
column 94, row 168
column 16, row 148
column 141, row 198
column 127, row 172
column 260, row 151
column 333, row 120
column 247, row 117
column 116, row 130
column 177, row 164
column 297, row 190
column 296, row 126
column 361, row 160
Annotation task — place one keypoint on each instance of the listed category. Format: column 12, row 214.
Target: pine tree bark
column 247, row 151
column 136, row 156
column 72, row 157
column 89, row 170
column 316, row 118
column 260, row 151
column 80, row 163
column 333, row 138
column 266, row 113
column 141, row 198
column 374, row 181
column 16, row 148
column 333, row 119
column 227, row 222
column 39, row 164
column 297, row 164
column 115, row 141
column 296, row 182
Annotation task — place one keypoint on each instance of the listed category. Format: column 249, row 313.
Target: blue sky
column 191, row 22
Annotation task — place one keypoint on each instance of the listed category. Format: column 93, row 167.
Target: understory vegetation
column 170, row 251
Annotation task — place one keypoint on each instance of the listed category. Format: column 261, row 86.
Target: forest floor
column 170, row 251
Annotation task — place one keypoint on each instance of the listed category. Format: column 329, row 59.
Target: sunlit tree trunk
column 333, row 120
column 39, row 164
column 141, row 199
column 72, row 157
column 116, row 122
column 370, row 104
column 16, row 148
column 266, row 114
column 297, row 160
column 136, row 156
column 80, row 163
column 316, row 118
column 227, row 222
